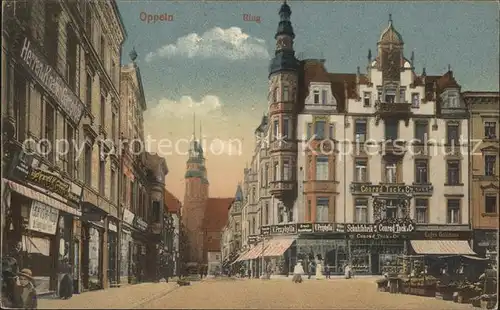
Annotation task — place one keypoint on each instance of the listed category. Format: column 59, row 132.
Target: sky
column 205, row 58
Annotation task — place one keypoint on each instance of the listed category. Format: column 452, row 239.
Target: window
column 316, row 96
column 114, row 183
column 319, row 129
column 88, row 93
column 70, row 156
column 254, row 196
column 490, row 131
column 367, row 99
column 402, row 95
column 391, row 130
column 390, row 95
column 262, row 177
column 266, row 174
column 360, row 130
column 20, row 101
column 331, row 130
column 155, row 217
column 88, row 164
column 421, row 171
column 361, row 210
column 286, row 170
column 276, row 129
column 490, row 204
column 113, row 72
column 254, row 226
column 285, row 128
column 309, row 130
column 51, row 34
column 290, row 215
column 102, row 175
column 421, row 131
column 391, row 209
column 390, row 172
column 322, row 210
column 489, row 165
column 281, row 214
column 217, row 257
column 321, row 168
column 415, row 100
column 324, row 97
column 132, row 197
column 452, row 134
column 114, row 120
column 285, row 94
column 71, row 53
column 103, row 49
column 103, row 111
column 50, row 129
column 453, row 214
column 379, row 94
column 421, row 210
column 360, row 168
column 453, row 101
column 276, row 171
column 453, row 172
column 266, row 214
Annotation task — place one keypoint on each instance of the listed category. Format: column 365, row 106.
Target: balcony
column 396, row 110
column 281, row 188
column 283, row 146
column 323, row 187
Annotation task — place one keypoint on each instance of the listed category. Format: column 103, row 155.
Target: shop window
column 453, row 211
column 489, row 165
column 421, row 171
column 452, row 134
column 490, row 130
column 421, row 210
column 361, row 169
column 490, row 204
column 322, row 210
column 421, row 131
column 360, row 131
column 321, row 168
column 361, row 210
column 453, row 169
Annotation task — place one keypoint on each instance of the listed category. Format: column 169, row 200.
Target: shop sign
column 253, row 239
column 285, row 229
column 112, row 227
column 128, row 217
column 265, row 230
column 50, row 79
column 45, row 179
column 386, row 226
column 140, row 224
column 441, row 234
column 324, row 227
column 390, row 189
column 304, row 228
column 43, row 218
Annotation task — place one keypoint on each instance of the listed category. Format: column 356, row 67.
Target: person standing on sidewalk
column 28, row 294
column 11, row 286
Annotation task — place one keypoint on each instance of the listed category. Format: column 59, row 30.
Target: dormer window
column 323, row 97
column 285, row 94
column 415, row 100
column 402, row 95
column 316, row 96
column 367, row 99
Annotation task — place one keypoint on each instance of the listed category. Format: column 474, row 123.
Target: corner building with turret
column 356, row 168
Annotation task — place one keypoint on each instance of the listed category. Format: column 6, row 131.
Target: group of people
column 18, row 287
column 298, row 271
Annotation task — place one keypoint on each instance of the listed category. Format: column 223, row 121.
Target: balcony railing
column 280, row 186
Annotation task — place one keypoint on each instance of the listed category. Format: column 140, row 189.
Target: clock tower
column 390, row 50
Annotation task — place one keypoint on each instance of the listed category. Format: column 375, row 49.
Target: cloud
column 185, row 106
column 231, row 43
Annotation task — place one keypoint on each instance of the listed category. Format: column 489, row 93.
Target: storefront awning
column 32, row 194
column 241, row 257
column 278, row 246
column 442, row 247
column 257, row 250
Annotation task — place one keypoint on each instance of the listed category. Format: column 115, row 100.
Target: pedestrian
column 166, row 273
column 298, row 271
column 310, row 269
column 205, row 271
column 11, row 287
column 200, row 271
column 249, row 273
column 28, row 294
column 347, row 271
column 327, row 271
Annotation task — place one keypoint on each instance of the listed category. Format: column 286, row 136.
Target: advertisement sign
column 140, row 224
column 253, row 239
column 128, row 217
column 305, row 228
column 383, row 229
column 299, row 228
column 284, row 229
column 43, row 218
column 390, row 189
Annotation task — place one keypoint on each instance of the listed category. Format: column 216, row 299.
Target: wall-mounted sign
column 324, row 227
column 128, row 217
column 112, row 227
column 301, row 228
column 50, row 79
column 265, row 230
column 284, row 229
column 140, row 224
column 441, row 234
column 387, row 226
column 390, row 189
column 304, row 228
column 25, row 171
column 252, row 239
column 43, row 218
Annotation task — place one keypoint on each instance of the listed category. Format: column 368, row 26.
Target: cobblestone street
column 359, row 293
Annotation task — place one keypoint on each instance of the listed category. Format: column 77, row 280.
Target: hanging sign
column 43, row 218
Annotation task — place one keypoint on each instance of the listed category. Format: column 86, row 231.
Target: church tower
column 283, row 83
column 195, row 199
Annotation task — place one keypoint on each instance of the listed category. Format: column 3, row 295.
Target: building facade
column 231, row 244
column 172, row 220
column 362, row 167
column 60, row 82
column 484, row 121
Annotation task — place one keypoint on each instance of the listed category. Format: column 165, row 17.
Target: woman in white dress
column 298, row 271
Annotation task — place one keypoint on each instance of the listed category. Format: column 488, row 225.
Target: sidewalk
column 127, row 297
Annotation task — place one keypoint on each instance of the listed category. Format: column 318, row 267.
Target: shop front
column 126, row 247
column 113, row 252
column 140, row 251
column 38, row 209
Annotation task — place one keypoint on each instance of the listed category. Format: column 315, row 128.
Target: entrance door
column 112, row 258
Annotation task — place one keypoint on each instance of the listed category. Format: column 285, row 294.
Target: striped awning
column 32, row 194
column 240, row 258
column 442, row 247
column 278, row 246
column 257, row 250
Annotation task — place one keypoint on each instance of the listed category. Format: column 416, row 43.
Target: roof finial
column 423, row 72
column 449, row 67
column 412, row 58
column 390, row 18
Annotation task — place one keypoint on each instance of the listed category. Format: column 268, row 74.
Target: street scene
column 172, row 155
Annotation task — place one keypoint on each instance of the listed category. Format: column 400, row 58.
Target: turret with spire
column 390, row 51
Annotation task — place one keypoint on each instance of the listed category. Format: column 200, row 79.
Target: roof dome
column 390, row 35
